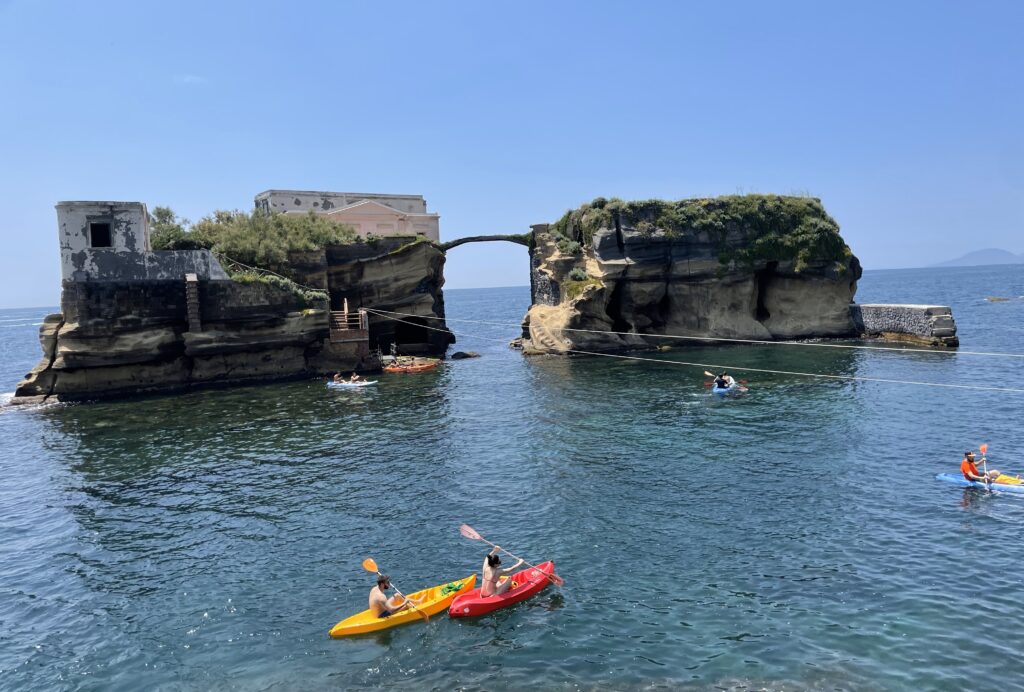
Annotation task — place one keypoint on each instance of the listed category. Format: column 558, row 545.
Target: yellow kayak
column 438, row 598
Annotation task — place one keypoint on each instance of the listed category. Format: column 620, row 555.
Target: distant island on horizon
column 978, row 258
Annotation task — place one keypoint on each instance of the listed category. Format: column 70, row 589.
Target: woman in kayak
column 381, row 605
column 971, row 472
column 493, row 584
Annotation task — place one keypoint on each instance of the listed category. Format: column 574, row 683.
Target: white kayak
column 350, row 385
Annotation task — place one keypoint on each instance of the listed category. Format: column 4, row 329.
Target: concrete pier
column 928, row 325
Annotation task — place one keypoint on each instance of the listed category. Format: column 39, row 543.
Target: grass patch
column 572, row 288
column 309, row 296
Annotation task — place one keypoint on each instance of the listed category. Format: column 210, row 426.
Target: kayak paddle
column 984, row 464
column 469, row 532
column 370, row 566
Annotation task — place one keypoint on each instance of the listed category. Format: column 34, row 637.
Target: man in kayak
column 493, row 584
column 355, row 377
column 971, row 472
column 381, row 605
column 723, row 381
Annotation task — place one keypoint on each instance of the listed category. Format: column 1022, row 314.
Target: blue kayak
column 350, row 385
column 958, row 479
column 722, row 391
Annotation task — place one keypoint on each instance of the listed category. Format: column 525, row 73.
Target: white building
column 368, row 213
column 109, row 241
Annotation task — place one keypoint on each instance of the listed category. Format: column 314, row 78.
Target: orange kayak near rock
column 421, row 367
column 525, row 584
column 437, row 599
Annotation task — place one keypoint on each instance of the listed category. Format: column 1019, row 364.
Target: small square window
column 99, row 235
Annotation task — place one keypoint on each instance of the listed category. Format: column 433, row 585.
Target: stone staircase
column 192, row 299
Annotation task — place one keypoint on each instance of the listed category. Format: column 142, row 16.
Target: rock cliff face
column 756, row 266
column 122, row 337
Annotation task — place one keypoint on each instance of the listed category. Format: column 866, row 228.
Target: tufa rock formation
column 126, row 337
column 753, row 266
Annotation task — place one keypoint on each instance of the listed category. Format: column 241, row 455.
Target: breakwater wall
column 929, row 325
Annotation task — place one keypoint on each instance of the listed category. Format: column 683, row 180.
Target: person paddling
column 355, row 377
column 723, row 381
column 493, row 584
column 971, row 472
column 381, row 605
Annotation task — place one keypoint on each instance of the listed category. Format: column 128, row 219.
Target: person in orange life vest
column 971, row 471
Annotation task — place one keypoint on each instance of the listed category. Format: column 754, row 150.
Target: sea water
column 792, row 538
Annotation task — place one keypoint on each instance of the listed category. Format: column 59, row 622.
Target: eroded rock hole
column 614, row 310
column 764, row 278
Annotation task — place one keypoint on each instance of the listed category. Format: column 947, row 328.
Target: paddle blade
column 709, row 374
column 708, row 384
column 557, row 580
column 468, row 531
column 369, row 565
column 984, row 448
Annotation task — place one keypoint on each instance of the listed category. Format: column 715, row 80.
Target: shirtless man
column 381, row 605
column 493, row 585
column 355, row 377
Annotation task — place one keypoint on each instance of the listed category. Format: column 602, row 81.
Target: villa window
column 99, row 234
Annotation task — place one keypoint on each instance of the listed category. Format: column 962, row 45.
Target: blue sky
column 904, row 118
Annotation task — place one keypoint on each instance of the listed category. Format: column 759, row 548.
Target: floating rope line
column 766, row 342
column 720, row 368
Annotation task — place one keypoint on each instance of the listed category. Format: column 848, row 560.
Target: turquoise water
column 791, row 539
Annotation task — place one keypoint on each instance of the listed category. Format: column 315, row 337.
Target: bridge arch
column 519, row 238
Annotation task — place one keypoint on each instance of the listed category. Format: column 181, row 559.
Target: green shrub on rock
column 774, row 227
column 254, row 238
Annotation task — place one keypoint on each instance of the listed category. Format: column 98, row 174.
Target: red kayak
column 526, row 583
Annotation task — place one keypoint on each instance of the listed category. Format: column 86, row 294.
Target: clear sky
column 905, row 118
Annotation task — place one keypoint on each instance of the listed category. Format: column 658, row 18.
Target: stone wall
column 113, row 305
column 103, row 264
column 931, row 325
column 231, row 301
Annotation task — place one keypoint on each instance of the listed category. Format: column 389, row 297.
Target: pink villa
column 368, row 213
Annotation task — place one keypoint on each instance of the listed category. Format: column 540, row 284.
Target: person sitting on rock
column 971, row 472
